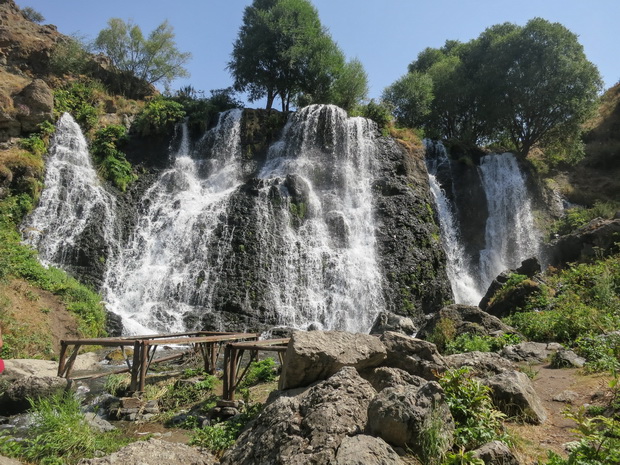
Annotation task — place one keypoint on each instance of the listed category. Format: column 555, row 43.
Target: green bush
column 159, row 116
column 111, row 162
column 380, row 113
column 80, row 100
column 34, row 144
column 201, row 112
column 576, row 217
column 477, row 421
column 183, row 393
column 468, row 342
column 69, row 56
column 602, row 352
column 260, row 372
column 60, row 434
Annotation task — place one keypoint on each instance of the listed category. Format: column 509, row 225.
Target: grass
column 60, row 434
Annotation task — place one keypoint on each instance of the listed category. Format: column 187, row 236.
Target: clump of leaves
column 262, row 371
column 468, row 342
column 159, row 116
column 186, row 392
column 111, row 161
column 477, row 421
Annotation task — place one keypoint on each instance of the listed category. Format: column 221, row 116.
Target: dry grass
column 10, row 84
column 406, row 137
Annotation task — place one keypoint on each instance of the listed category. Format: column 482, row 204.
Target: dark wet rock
column 16, row 397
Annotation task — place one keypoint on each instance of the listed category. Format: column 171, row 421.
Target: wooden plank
column 71, row 361
column 62, row 360
column 135, row 373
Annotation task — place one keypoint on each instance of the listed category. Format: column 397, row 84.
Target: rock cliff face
column 256, row 252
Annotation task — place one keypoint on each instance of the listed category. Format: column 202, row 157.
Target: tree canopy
column 518, row 85
column 154, row 59
column 282, row 50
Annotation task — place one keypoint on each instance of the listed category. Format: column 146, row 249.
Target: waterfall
column 163, row 270
column 510, row 234
column 73, row 198
column 315, row 206
column 464, row 287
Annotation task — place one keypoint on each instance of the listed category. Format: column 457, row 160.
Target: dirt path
column 558, row 389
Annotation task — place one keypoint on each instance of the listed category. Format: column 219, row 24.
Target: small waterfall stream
column 164, row 269
column 465, row 289
column 317, row 205
column 73, row 198
column 510, row 234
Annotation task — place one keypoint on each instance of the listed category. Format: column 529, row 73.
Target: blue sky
column 385, row 35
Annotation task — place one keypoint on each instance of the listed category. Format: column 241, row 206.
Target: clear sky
column 386, row 35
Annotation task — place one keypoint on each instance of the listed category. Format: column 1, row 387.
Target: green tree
column 155, row 59
column 544, row 86
column 282, row 50
column 411, row 97
column 350, row 86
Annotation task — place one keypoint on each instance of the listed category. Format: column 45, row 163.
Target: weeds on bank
column 60, row 434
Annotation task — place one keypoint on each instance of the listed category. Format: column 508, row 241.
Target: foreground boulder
column 366, row 450
column 415, row 356
column 496, row 453
column 533, row 352
column 514, row 394
column 154, row 452
column 483, row 363
column 306, row 427
column 316, row 355
column 384, row 377
column 15, row 398
column 401, row 415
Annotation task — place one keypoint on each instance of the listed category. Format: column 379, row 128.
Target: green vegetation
column 583, row 300
column 159, row 116
column 111, row 161
column 32, row 15
column 60, row 434
column 262, row 371
column 186, row 392
column 201, row 111
column 70, row 56
column 153, row 59
column 477, row 421
column 576, row 217
column 468, row 342
column 81, row 100
column 283, row 51
column 516, row 86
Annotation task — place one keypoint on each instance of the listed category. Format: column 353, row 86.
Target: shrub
column 184, row 393
column 34, row 144
column 260, row 372
column 80, row 99
column 576, row 217
column 380, row 113
column 477, row 421
column 111, row 161
column 69, row 57
column 159, row 116
column 32, row 15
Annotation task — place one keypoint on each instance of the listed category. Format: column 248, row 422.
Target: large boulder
column 402, row 415
column 34, row 105
column 533, row 352
column 415, row 356
column 366, row 450
column 306, row 427
column 514, row 394
column 529, row 267
column 387, row 321
column 384, row 377
column 19, row 368
column 155, row 452
column 465, row 319
column 16, row 398
column 316, row 355
column 496, row 453
column 483, row 363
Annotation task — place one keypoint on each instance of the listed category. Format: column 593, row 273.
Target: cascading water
column 464, row 287
column 510, row 234
column 316, row 223
column 73, row 197
column 164, row 269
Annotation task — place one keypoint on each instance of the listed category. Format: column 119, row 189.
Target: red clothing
column 1, row 365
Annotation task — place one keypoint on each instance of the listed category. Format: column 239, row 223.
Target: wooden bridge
column 208, row 344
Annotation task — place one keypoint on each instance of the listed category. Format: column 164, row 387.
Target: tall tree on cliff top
column 519, row 85
column 155, row 59
column 283, row 51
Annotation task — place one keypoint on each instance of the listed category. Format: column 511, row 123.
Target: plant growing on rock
column 477, row 421
column 111, row 161
column 159, row 116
